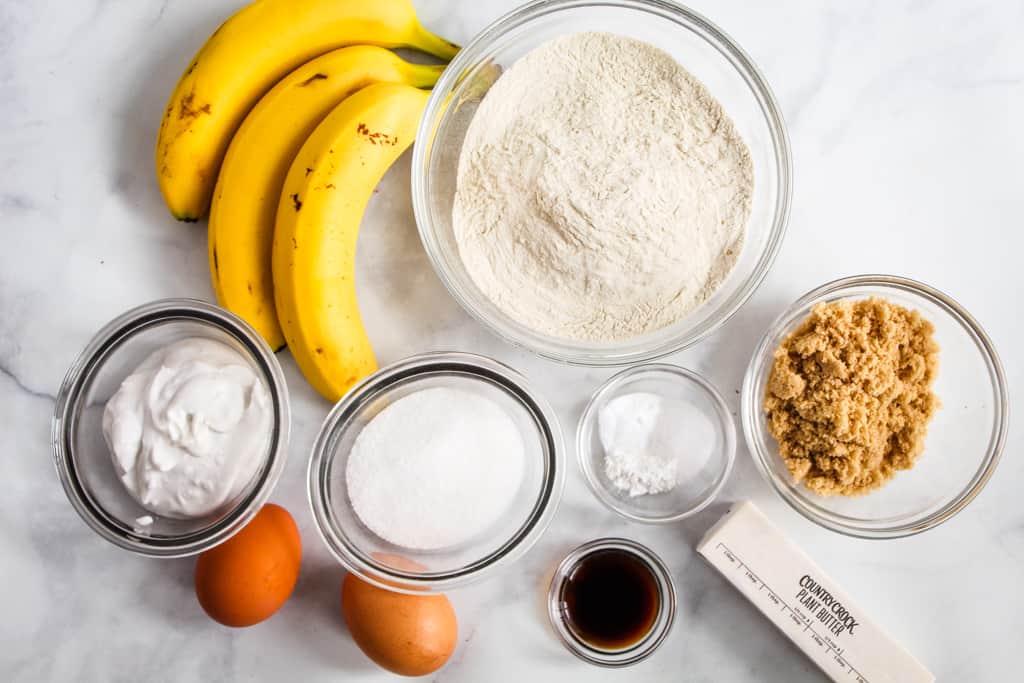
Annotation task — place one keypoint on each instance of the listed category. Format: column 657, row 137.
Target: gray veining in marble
column 905, row 119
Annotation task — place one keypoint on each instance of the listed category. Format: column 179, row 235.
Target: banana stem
column 434, row 44
column 425, row 75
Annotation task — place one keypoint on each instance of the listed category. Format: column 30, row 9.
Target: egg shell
column 410, row 635
column 247, row 578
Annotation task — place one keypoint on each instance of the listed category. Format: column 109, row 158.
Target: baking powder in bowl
column 653, row 443
column 435, row 468
column 602, row 191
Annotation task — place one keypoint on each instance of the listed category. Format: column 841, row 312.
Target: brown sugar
column 849, row 396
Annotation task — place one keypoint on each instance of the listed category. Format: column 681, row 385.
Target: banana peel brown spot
column 189, row 110
column 376, row 138
column 308, row 171
column 329, row 186
column 216, row 263
column 296, row 202
column 249, row 285
column 311, row 79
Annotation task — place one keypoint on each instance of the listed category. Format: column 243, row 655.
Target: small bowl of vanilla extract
column 612, row 602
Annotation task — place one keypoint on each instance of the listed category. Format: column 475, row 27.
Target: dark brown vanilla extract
column 611, row 600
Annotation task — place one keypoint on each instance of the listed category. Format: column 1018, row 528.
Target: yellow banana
column 322, row 205
column 249, row 185
column 250, row 52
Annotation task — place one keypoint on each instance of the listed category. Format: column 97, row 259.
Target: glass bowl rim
column 679, row 374
column 753, row 422
column 664, row 622
column 97, row 352
column 560, row 350
column 499, row 375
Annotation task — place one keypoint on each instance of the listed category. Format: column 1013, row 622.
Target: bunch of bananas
column 281, row 127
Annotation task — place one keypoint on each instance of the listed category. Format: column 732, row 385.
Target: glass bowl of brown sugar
column 964, row 439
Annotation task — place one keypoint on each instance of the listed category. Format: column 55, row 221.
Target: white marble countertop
column 905, row 119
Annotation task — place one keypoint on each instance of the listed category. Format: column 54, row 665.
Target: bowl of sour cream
column 171, row 428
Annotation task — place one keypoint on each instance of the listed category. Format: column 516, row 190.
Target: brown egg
column 410, row 635
column 247, row 578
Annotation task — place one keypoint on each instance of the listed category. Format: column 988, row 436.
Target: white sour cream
column 189, row 428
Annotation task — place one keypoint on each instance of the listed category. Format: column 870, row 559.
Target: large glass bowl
column 965, row 438
column 408, row 570
column 703, row 49
column 84, row 462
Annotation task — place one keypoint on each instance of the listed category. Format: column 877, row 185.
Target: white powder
column 602, row 192
column 435, row 468
column 653, row 443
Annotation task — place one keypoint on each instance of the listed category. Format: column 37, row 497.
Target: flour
column 435, row 469
column 602, row 192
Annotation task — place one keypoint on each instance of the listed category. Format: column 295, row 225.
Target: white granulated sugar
column 435, row 468
column 653, row 443
column 602, row 192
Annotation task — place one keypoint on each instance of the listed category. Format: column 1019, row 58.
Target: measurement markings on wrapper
column 825, row 642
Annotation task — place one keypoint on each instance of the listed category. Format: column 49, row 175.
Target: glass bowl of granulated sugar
column 602, row 182
column 436, row 471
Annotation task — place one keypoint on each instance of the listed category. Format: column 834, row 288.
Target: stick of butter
column 799, row 598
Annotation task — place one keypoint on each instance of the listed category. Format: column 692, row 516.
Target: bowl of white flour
column 602, row 182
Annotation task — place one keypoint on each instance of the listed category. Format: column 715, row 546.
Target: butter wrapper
column 798, row 597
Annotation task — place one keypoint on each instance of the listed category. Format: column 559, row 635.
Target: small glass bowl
column 663, row 621
column 703, row 49
column 692, row 494
column 84, row 462
column 405, row 570
column 965, row 438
